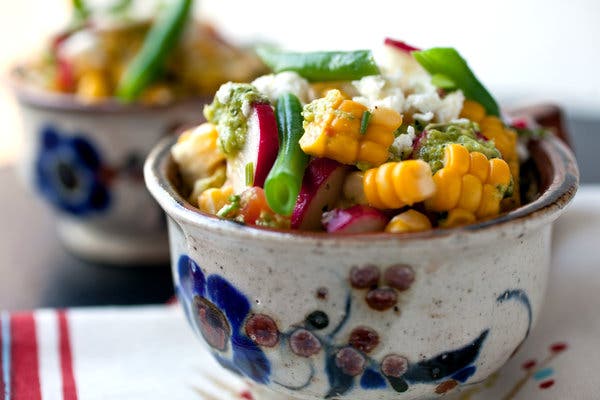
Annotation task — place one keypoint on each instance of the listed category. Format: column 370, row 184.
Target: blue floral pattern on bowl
column 219, row 310
column 237, row 335
column 69, row 173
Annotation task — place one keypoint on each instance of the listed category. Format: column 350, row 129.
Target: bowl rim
column 560, row 190
column 29, row 94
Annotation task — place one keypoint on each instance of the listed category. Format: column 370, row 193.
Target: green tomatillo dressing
column 230, row 111
column 431, row 148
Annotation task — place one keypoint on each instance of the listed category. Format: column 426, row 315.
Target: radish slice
column 260, row 149
column 321, row 189
column 356, row 219
column 400, row 45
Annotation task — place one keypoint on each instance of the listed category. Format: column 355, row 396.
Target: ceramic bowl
column 85, row 161
column 364, row 316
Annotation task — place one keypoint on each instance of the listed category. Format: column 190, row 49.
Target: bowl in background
column 364, row 316
column 85, row 161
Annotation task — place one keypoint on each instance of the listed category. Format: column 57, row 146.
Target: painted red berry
column 381, row 299
column 350, row 361
column 446, row 386
column 262, row 330
column 364, row 339
column 394, row 365
column 399, row 276
column 527, row 365
column 322, row 293
column 547, row 384
column 212, row 323
column 364, row 277
column 558, row 347
column 304, row 343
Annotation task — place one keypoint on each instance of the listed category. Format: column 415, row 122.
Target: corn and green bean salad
column 154, row 60
column 346, row 142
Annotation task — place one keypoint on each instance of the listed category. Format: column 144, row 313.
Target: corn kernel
column 490, row 202
column 499, row 172
column 480, row 167
column 458, row 217
column 342, row 148
column 92, row 86
column 470, row 194
column 472, row 110
column 385, row 188
column 408, row 221
column 447, row 190
column 372, row 152
column 370, row 188
column 413, row 182
column 457, row 158
column 386, row 117
column 212, row 200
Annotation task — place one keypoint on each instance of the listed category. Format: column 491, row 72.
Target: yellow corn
column 505, row 140
column 197, row 153
column 458, row 217
column 396, row 184
column 334, row 131
column 217, row 179
column 212, row 200
column 92, row 86
column 472, row 111
column 408, row 221
column 469, row 186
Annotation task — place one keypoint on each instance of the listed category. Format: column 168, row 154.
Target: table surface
column 36, row 271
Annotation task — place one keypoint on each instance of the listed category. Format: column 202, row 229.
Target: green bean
column 323, row 65
column 448, row 68
column 283, row 183
column 157, row 46
column 81, row 11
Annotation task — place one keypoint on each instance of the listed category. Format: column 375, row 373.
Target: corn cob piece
column 397, row 184
column 505, row 140
column 469, row 186
column 408, row 221
column 332, row 129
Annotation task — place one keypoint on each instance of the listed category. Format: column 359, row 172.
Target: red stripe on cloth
column 24, row 355
column 2, row 386
column 66, row 358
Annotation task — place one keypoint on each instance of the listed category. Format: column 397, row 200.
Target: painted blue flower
column 68, row 170
column 219, row 310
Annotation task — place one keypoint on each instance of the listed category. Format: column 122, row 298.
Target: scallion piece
column 364, row 122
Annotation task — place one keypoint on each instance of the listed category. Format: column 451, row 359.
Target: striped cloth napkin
column 150, row 353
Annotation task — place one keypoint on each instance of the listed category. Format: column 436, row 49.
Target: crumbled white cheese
column 450, row 106
column 379, row 91
column 274, row 85
column 223, row 95
column 425, row 117
column 403, row 144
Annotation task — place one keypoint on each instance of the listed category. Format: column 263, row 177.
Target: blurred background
column 525, row 51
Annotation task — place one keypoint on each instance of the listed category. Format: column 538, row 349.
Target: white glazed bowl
column 314, row 315
column 85, row 160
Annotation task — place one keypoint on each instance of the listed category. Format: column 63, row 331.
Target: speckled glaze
column 377, row 316
column 85, row 161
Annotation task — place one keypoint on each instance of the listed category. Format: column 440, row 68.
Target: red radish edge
column 400, row 45
column 356, row 219
column 267, row 153
column 317, row 173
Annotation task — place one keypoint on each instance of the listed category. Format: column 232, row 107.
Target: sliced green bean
column 283, row 183
column 159, row 43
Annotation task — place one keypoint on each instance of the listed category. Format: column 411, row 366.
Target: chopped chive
column 364, row 122
column 250, row 174
column 230, row 208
